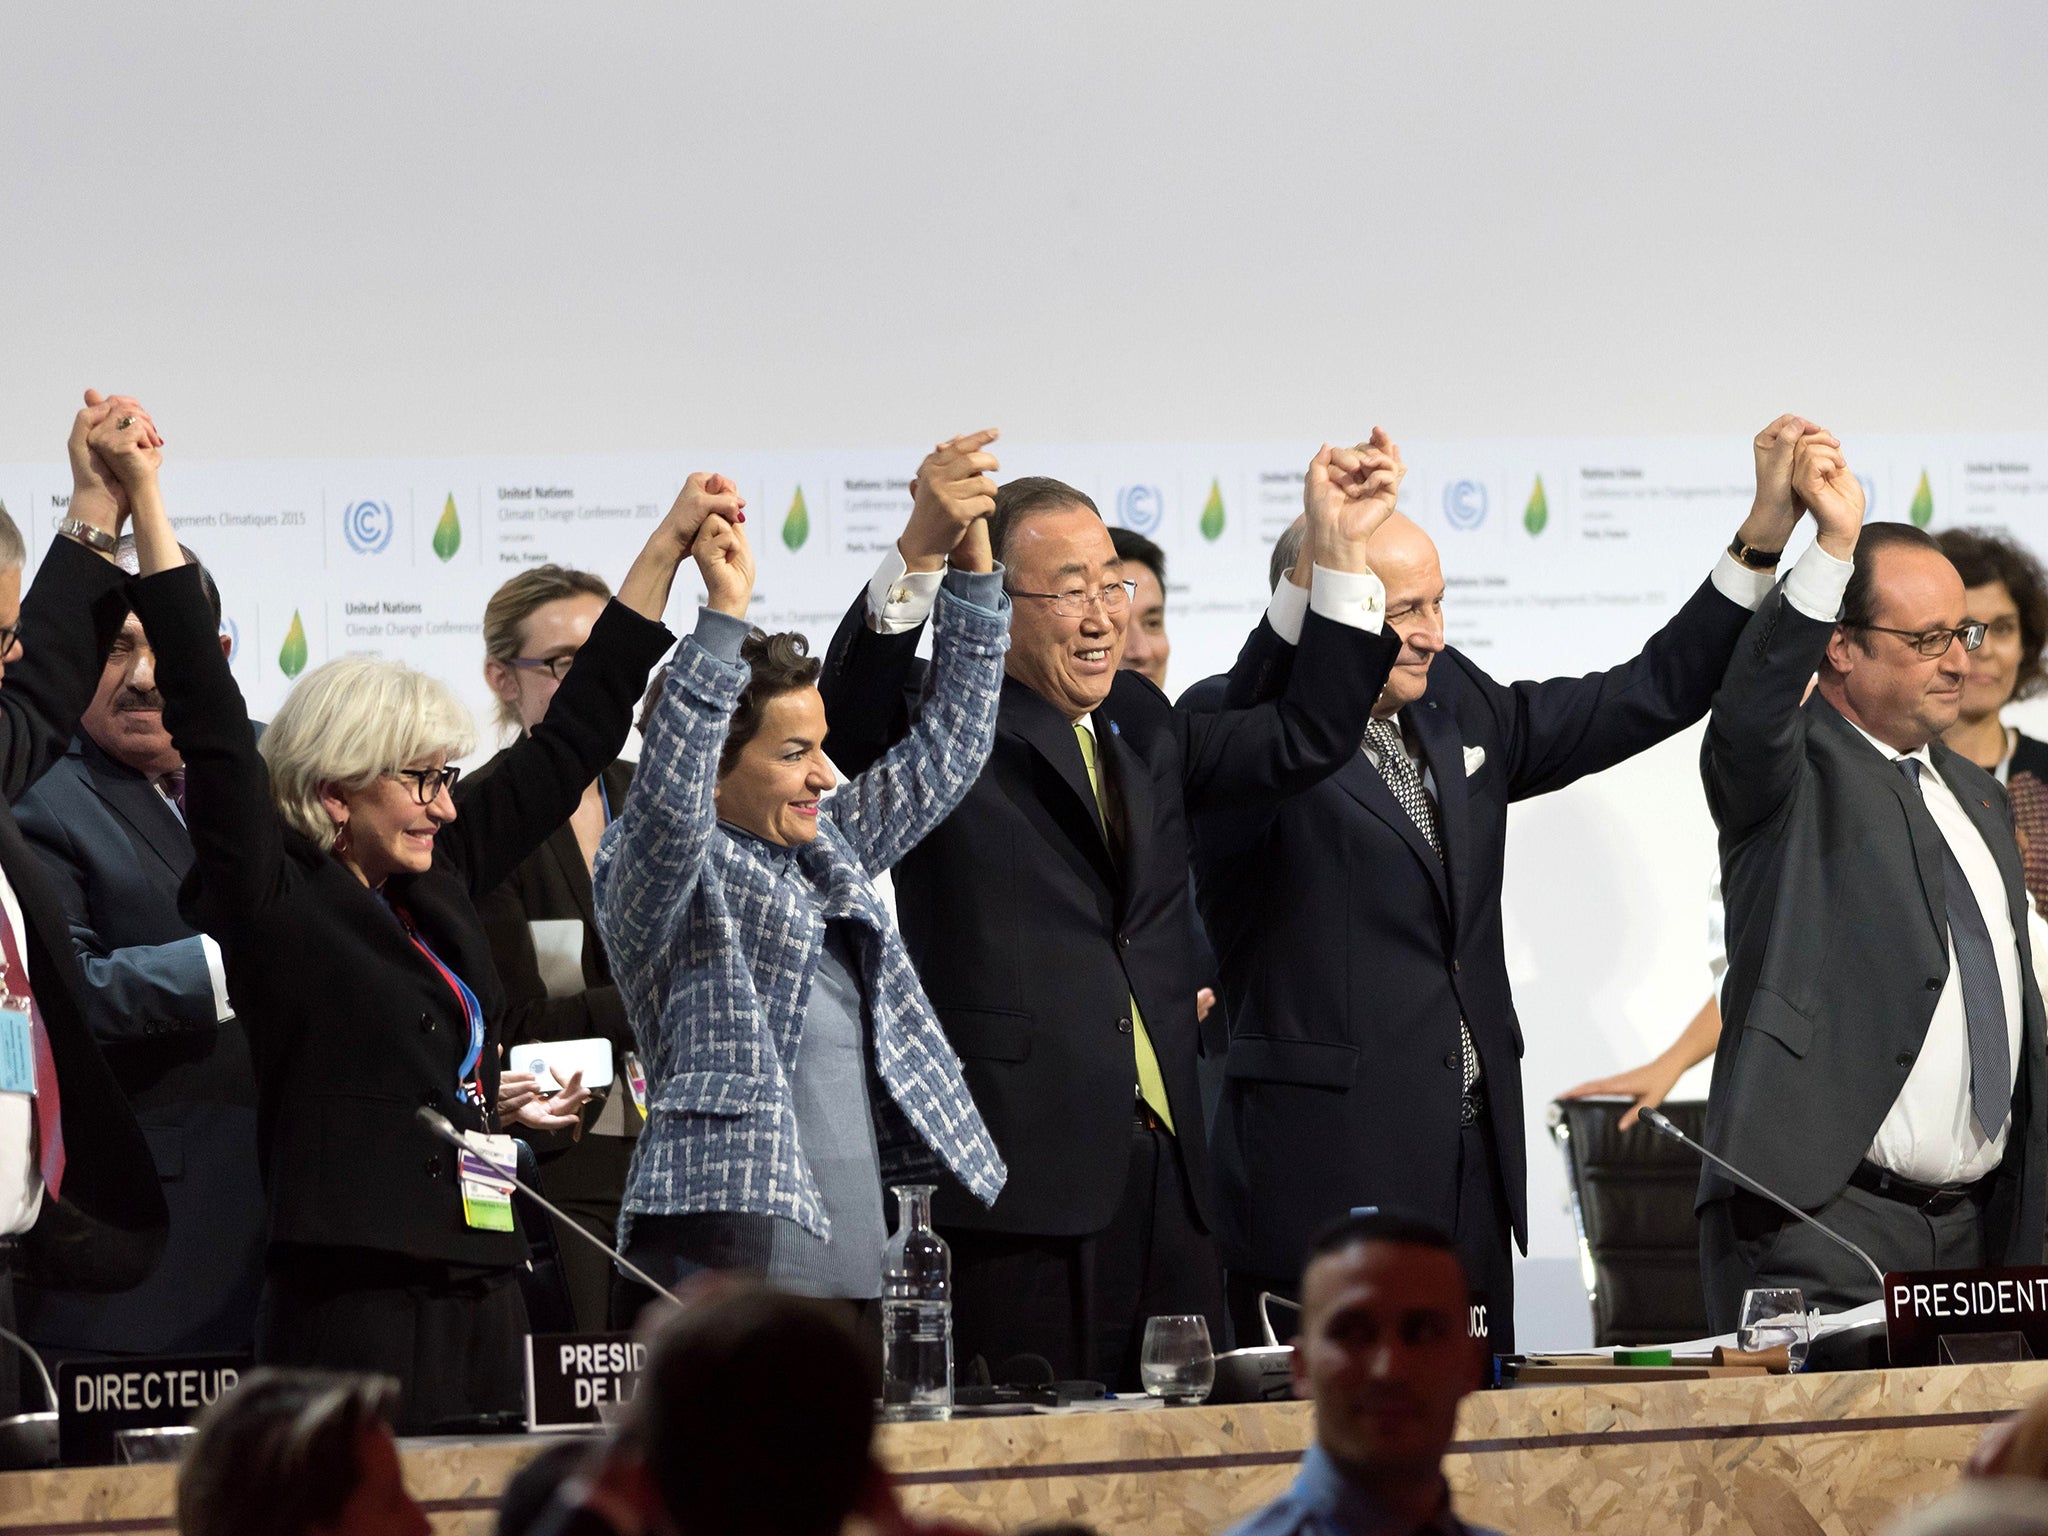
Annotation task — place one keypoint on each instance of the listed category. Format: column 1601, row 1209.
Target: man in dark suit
column 108, row 821
column 79, row 1200
column 1374, row 1049
column 1882, row 1062
column 1050, row 916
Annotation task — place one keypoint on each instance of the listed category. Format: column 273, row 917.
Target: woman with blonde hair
column 340, row 876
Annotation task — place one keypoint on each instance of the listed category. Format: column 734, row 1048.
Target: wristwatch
column 84, row 533
column 1756, row 559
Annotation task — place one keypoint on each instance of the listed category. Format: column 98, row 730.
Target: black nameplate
column 1923, row 1307
column 573, row 1379
column 97, row 1397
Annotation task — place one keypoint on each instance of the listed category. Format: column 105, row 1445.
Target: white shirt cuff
column 900, row 599
column 1285, row 611
column 1356, row 598
column 1817, row 583
column 1739, row 584
column 216, row 972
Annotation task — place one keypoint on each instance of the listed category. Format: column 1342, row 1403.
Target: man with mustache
column 107, row 821
column 1387, row 1353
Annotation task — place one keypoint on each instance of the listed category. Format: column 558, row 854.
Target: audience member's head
column 13, row 556
column 1994, row 1507
column 2004, row 589
column 298, row 1453
column 753, row 1416
column 1385, row 1347
column 356, row 755
column 773, row 770
column 533, row 627
column 1072, row 610
column 1891, row 666
column 126, row 716
column 1146, row 646
column 530, row 1491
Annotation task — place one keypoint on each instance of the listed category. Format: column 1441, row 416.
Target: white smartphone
column 545, row 1058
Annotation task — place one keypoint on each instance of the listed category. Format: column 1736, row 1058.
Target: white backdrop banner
column 1561, row 555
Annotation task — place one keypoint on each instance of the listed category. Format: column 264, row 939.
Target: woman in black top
column 340, row 881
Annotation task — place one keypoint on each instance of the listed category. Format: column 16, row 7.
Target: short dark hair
column 1378, row 1226
column 130, row 560
column 781, row 664
column 530, row 1491
column 1286, row 552
column 1859, row 598
column 1133, row 546
column 1982, row 558
column 755, row 1413
column 280, row 1453
column 1017, row 500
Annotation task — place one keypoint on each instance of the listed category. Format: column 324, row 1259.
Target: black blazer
column 1031, row 936
column 1350, row 952
column 1838, row 937
column 553, row 883
column 107, row 1230
column 352, row 1029
column 116, row 853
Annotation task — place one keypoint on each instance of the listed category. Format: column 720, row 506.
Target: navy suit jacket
column 1349, row 952
column 115, row 852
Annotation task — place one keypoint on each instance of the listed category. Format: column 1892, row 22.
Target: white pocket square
column 1475, row 759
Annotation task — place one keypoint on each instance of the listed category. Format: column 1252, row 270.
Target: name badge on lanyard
column 486, row 1191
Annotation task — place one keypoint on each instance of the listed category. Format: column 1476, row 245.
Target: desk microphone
column 440, row 1125
column 1661, row 1123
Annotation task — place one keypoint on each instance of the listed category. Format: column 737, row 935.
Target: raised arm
column 1751, row 759
column 537, row 782
column 652, row 855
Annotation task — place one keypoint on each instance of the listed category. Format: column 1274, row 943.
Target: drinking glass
column 1774, row 1317
column 1177, row 1362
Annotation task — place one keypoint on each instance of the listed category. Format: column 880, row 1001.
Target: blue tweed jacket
column 714, row 940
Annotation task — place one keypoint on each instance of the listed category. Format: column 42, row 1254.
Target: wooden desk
column 1834, row 1454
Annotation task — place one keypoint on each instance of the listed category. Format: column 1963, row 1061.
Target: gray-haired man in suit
column 1882, row 1065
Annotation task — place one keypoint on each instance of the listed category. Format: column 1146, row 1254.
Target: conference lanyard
column 469, row 1083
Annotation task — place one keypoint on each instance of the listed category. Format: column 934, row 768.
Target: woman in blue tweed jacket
column 793, row 1062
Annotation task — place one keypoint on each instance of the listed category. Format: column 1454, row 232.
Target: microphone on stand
column 1661, row 1123
column 442, row 1127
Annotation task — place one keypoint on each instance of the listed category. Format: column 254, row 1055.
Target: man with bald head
column 1881, row 1061
column 1375, row 1055
column 1050, row 917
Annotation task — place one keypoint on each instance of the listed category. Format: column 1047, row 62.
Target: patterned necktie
column 1384, row 738
column 1983, row 997
column 49, row 1106
column 1151, row 1081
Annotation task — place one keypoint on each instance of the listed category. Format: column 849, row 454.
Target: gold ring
column 124, row 423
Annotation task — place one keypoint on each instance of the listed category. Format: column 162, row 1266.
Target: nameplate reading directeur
column 1945, row 1316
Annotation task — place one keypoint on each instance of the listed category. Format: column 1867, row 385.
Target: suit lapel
column 1443, row 752
column 135, row 800
column 1133, row 781
column 568, row 861
column 1363, row 782
column 1038, row 725
column 1920, row 827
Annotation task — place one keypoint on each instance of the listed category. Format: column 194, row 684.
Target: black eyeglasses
column 10, row 635
column 1115, row 598
column 427, row 783
column 1934, row 642
column 556, row 667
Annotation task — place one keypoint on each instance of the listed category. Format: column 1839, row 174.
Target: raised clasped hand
column 1349, row 492
column 107, row 456
column 702, row 496
column 951, row 492
column 1777, row 507
column 726, row 563
column 1822, row 479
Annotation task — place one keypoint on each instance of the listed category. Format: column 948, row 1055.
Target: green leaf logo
column 1922, row 510
column 1536, row 516
column 1212, row 513
column 292, row 659
column 797, row 526
column 448, row 532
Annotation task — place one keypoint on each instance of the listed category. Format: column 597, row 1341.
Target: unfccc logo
column 1140, row 508
column 1465, row 504
column 367, row 526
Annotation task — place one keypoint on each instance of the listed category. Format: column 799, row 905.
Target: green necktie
column 1151, row 1083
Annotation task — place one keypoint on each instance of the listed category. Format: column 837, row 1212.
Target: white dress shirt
column 216, row 968
column 1930, row 1134
column 21, row 1179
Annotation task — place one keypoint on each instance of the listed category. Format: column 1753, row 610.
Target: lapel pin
column 1117, row 730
